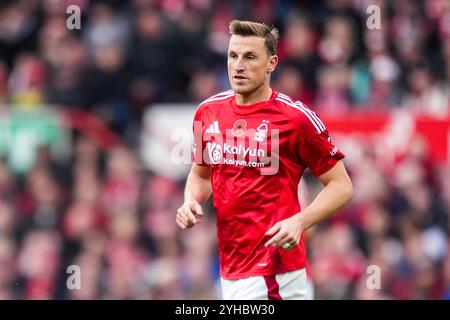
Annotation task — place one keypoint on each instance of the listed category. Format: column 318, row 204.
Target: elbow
column 348, row 191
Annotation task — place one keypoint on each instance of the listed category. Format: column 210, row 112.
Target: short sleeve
column 314, row 147
column 198, row 144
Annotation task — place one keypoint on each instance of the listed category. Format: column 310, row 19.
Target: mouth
column 238, row 77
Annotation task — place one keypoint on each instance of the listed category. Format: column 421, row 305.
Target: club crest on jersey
column 261, row 131
column 239, row 128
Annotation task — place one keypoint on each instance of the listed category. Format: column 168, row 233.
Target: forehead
column 245, row 44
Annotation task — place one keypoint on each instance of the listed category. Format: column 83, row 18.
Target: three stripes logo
column 214, row 128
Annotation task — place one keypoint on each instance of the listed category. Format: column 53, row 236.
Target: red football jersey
column 258, row 154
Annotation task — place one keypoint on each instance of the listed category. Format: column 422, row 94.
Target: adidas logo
column 214, row 128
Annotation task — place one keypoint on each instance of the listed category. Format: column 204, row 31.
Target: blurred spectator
column 338, row 43
column 426, row 95
column 38, row 263
column 26, row 81
column 8, row 269
column 106, row 27
column 66, row 67
column 120, row 191
column 332, row 93
column 337, row 264
column 3, row 82
column 291, row 82
column 204, row 85
column 298, row 48
column 106, row 86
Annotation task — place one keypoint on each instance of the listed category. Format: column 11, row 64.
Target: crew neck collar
column 246, row 109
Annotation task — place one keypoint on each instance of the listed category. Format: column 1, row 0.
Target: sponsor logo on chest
column 241, row 145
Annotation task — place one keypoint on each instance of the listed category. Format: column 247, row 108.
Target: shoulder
column 209, row 107
column 215, row 100
column 300, row 114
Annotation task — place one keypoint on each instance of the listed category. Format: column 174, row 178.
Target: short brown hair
column 250, row 28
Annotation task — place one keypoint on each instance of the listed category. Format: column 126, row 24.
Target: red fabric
column 248, row 200
column 272, row 288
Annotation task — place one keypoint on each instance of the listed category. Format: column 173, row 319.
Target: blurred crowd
column 102, row 210
column 130, row 54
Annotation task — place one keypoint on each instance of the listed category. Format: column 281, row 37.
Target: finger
column 275, row 228
column 185, row 220
column 180, row 223
column 197, row 208
column 199, row 219
column 187, row 223
column 276, row 240
column 189, row 215
column 181, row 218
column 185, row 211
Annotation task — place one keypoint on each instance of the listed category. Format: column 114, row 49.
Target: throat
column 256, row 96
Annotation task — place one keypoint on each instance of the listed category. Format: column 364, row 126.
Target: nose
column 239, row 66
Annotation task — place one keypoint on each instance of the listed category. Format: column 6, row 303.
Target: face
column 249, row 64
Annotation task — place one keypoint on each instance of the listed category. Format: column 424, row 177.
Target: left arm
column 336, row 193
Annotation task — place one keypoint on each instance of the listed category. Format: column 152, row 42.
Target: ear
column 273, row 62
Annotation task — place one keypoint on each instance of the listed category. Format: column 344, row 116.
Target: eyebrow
column 246, row 53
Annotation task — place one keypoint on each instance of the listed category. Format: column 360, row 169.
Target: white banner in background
column 167, row 138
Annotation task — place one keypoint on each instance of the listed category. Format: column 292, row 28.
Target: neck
column 261, row 94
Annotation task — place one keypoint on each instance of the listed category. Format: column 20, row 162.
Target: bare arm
column 198, row 189
column 198, row 184
column 337, row 192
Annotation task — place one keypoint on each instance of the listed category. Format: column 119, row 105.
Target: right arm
column 198, row 189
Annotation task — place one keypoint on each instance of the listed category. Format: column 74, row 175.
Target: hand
column 285, row 233
column 189, row 214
